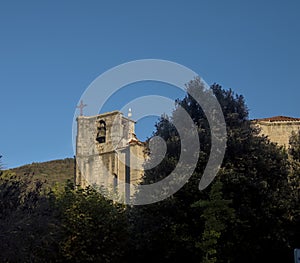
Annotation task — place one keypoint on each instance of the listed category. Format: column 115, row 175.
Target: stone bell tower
column 108, row 154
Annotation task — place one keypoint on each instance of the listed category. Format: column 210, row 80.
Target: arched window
column 101, row 134
column 115, row 182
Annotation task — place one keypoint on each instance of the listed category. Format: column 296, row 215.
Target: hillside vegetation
column 52, row 172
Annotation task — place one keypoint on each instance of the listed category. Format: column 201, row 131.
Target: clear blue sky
column 50, row 51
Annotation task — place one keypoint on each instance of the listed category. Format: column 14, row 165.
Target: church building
column 109, row 155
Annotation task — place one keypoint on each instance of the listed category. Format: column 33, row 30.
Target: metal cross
column 81, row 106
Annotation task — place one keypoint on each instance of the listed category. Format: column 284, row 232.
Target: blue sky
column 50, row 51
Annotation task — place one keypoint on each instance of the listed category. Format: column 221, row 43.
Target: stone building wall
column 278, row 129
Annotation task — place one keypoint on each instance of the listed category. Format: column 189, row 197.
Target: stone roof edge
column 106, row 114
column 277, row 119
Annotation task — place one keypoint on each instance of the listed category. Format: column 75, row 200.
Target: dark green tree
column 93, row 228
column 216, row 213
column 294, row 149
column 254, row 176
column 294, row 179
column 29, row 228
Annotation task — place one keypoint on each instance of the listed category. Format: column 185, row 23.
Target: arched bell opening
column 101, row 134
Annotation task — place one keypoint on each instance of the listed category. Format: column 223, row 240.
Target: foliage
column 294, row 178
column 294, row 149
column 94, row 229
column 69, row 226
column 28, row 227
column 55, row 172
column 216, row 213
column 254, row 176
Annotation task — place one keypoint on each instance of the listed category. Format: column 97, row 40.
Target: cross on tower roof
column 81, row 106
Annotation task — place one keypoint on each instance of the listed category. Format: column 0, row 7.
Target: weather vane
column 81, row 106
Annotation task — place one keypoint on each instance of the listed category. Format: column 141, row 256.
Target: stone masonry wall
column 278, row 132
